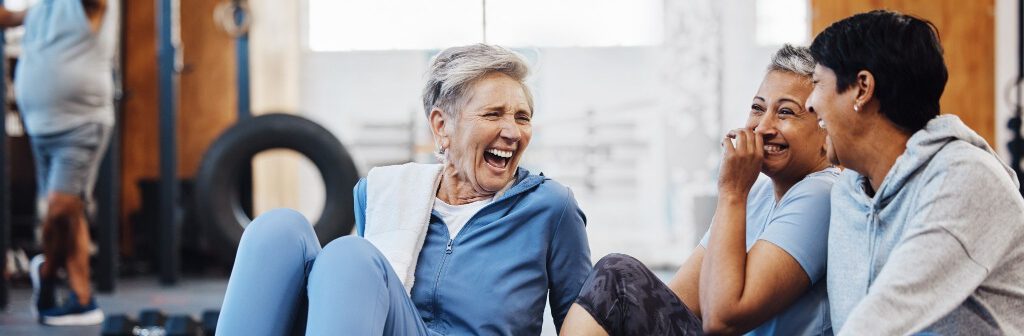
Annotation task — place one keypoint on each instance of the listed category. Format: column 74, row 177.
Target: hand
column 740, row 163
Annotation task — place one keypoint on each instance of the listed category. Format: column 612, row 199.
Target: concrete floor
column 191, row 296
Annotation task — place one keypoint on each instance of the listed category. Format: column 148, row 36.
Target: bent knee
column 616, row 261
column 280, row 225
column 350, row 250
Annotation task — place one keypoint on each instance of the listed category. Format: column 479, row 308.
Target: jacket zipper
column 450, row 247
column 437, row 278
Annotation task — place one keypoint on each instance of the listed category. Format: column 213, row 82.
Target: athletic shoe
column 72, row 313
column 43, row 290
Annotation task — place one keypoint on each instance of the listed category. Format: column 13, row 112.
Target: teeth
column 771, row 149
column 500, row 153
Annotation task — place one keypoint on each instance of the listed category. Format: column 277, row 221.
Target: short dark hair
column 901, row 51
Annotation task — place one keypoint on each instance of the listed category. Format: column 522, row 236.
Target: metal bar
column 1016, row 144
column 108, row 191
column 242, row 53
column 108, row 187
column 170, row 230
column 244, row 102
column 5, row 183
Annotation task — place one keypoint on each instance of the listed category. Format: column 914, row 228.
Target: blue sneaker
column 72, row 313
column 43, row 290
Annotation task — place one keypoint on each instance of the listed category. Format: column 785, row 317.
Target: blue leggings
column 350, row 286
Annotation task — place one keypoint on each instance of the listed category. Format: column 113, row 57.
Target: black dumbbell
column 210, row 322
column 151, row 322
column 118, row 325
column 152, row 318
column 182, row 325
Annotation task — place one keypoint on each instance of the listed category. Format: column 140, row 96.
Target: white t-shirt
column 456, row 216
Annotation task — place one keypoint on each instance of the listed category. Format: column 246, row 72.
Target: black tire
column 217, row 198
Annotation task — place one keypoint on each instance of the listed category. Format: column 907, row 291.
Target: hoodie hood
column 922, row 147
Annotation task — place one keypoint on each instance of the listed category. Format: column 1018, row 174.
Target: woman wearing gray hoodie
column 927, row 225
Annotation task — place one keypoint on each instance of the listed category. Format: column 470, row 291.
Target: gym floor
column 191, row 296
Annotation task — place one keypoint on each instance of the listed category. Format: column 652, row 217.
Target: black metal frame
column 170, row 220
column 5, row 183
column 1016, row 144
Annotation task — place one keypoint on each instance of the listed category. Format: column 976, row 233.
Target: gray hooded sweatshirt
column 939, row 248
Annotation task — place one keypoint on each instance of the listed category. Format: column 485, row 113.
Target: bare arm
column 686, row 282
column 10, row 19
column 739, row 290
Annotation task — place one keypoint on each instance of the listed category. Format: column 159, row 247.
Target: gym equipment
column 181, row 325
column 153, row 322
column 217, row 199
column 117, row 325
column 5, row 211
column 1016, row 144
column 169, row 65
column 209, row 322
column 152, row 318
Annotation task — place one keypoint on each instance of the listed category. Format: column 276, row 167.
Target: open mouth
column 775, row 149
column 498, row 158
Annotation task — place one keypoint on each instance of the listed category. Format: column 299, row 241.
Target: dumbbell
column 150, row 322
column 118, row 325
column 153, row 322
column 209, row 321
column 182, row 325
column 152, row 318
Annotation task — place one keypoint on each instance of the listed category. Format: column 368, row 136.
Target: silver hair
column 453, row 71
column 797, row 60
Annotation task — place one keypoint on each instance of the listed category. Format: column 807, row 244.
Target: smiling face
column 487, row 141
column 794, row 145
column 835, row 109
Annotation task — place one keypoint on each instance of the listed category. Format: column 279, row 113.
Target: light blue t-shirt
column 798, row 224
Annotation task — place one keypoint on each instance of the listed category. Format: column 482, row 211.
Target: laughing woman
column 759, row 270
column 471, row 246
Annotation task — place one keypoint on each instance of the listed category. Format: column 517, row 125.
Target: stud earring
column 441, row 154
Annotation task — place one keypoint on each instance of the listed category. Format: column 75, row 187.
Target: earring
column 856, row 108
column 441, row 155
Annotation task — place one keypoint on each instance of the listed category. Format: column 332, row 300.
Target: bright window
column 782, row 21
column 348, row 25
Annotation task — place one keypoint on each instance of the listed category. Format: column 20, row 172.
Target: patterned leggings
column 626, row 298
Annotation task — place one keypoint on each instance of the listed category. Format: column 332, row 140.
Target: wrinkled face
column 794, row 145
column 835, row 110
column 491, row 134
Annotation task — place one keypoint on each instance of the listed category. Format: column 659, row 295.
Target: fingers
column 745, row 141
column 758, row 145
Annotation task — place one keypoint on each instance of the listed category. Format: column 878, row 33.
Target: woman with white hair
column 760, row 269
column 473, row 245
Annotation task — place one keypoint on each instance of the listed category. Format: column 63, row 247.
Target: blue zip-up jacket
column 493, row 277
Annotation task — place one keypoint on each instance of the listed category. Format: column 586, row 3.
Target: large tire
column 217, row 197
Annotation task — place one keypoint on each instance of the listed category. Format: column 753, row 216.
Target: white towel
column 399, row 200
